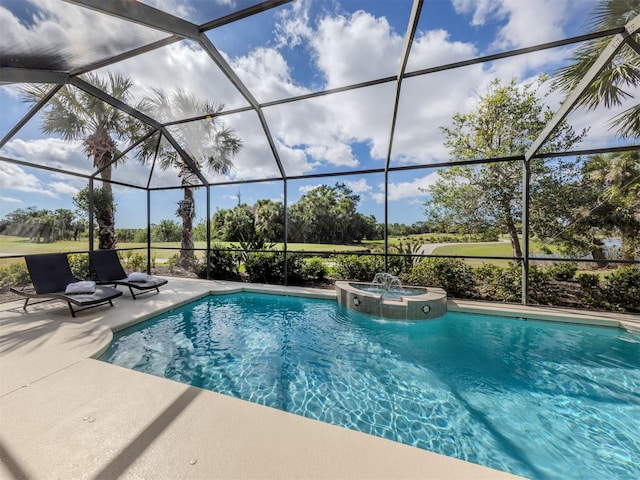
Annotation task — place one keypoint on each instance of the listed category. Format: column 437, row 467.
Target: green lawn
column 22, row 246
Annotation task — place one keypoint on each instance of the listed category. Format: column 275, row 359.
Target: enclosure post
column 91, row 214
column 148, row 231
column 386, row 220
column 526, row 177
column 286, row 232
column 208, row 254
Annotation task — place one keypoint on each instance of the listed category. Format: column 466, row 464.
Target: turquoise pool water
column 538, row 399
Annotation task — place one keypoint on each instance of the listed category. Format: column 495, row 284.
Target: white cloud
column 10, row 199
column 64, row 188
column 359, row 186
column 480, row 9
column 12, row 177
column 356, row 48
column 304, row 189
column 403, row 190
column 50, row 152
column 293, row 25
column 524, row 23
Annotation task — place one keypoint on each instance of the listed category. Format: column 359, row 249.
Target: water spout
column 386, row 281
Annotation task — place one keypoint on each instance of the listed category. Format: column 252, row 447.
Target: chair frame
column 50, row 273
column 109, row 271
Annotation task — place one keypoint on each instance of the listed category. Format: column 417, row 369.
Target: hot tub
column 396, row 303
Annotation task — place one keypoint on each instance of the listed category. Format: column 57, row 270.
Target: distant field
column 162, row 251
column 22, row 246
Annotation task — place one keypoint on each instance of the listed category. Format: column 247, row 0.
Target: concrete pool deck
column 65, row 415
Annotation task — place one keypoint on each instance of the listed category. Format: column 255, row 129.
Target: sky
column 296, row 49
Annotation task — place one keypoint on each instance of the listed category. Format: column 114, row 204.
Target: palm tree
column 207, row 142
column 620, row 76
column 76, row 115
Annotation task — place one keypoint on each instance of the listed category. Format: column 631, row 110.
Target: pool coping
column 64, row 414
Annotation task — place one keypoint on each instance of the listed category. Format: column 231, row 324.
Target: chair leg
column 73, row 313
column 24, row 307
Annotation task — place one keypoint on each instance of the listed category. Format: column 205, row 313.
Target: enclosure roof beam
column 27, row 75
column 154, row 18
column 601, row 62
column 219, row 60
column 143, row 14
column 244, row 13
column 239, row 15
column 408, row 41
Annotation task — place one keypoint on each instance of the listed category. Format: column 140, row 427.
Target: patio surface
column 66, row 415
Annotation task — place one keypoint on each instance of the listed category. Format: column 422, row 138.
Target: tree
column 207, row 142
column 327, row 215
column 619, row 78
column 76, row 115
column 618, row 178
column 166, row 231
column 233, row 225
column 41, row 224
column 474, row 198
column 269, row 220
column 103, row 208
column 599, row 199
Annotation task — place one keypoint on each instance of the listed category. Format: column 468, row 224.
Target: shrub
column 172, row 261
column 223, row 264
column 314, row 269
column 590, row 291
column 136, row 262
column 14, row 275
column 563, row 271
column 500, row 284
column 404, row 263
column 358, row 267
column 622, row 289
column 268, row 267
column 452, row 274
column 541, row 291
column 80, row 266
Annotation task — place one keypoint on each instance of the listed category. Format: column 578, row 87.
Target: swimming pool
column 537, row 399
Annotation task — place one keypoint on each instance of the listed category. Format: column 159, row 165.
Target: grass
column 22, row 246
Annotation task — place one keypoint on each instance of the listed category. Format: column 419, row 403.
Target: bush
column 541, row 291
column 622, row 290
column 223, row 265
column 590, row 291
column 268, row 267
column 452, row 274
column 14, row 275
column 408, row 259
column 314, row 269
column 358, row 267
column 563, row 271
column 135, row 261
column 80, row 266
column 500, row 284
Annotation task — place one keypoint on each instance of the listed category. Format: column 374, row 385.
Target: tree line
column 42, row 225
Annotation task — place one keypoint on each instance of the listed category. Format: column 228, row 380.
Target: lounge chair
column 51, row 276
column 109, row 271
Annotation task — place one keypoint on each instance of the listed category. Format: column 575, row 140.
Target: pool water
column 394, row 293
column 538, row 399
